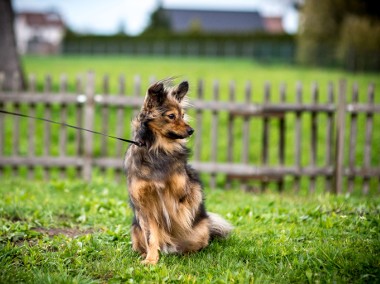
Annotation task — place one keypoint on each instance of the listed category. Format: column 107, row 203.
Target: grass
column 76, row 232
column 193, row 69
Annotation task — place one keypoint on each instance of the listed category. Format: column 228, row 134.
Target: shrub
column 359, row 45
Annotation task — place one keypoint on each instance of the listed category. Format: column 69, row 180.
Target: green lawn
column 209, row 69
column 76, row 232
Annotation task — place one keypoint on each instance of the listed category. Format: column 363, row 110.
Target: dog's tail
column 219, row 228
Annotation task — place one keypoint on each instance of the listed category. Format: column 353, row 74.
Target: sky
column 106, row 17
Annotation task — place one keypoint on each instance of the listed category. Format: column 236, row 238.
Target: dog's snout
column 190, row 130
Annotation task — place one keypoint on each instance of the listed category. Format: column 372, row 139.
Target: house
column 273, row 25
column 214, row 21
column 39, row 33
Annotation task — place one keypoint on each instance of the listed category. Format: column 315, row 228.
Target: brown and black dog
column 165, row 192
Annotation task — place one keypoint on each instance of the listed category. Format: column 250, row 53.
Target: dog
column 165, row 192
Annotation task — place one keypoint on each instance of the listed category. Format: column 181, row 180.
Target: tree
column 344, row 31
column 121, row 28
column 159, row 23
column 359, row 45
column 318, row 31
column 9, row 59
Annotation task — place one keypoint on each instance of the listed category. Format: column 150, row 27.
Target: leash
column 72, row 126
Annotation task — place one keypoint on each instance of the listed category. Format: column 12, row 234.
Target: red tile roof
column 42, row 19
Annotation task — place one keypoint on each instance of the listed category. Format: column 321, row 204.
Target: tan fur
column 159, row 200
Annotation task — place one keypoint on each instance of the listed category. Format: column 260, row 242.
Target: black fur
column 173, row 135
column 157, row 165
column 144, row 135
column 201, row 214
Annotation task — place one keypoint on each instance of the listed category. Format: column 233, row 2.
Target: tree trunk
column 9, row 60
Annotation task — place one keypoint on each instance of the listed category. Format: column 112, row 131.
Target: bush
column 359, row 45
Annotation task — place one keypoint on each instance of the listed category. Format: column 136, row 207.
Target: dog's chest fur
column 165, row 186
column 156, row 165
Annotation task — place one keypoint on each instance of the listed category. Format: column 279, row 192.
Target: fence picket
column 298, row 133
column 16, row 120
column 31, row 125
column 246, row 122
column 314, row 135
column 368, row 138
column 246, row 125
column 281, row 130
column 199, row 123
column 136, row 93
column 230, row 130
column 79, row 121
column 340, row 126
column 120, row 124
column 329, row 135
column 353, row 135
column 265, row 136
column 47, row 126
column 63, row 129
column 214, row 133
column 120, row 118
column 89, row 124
column 105, row 118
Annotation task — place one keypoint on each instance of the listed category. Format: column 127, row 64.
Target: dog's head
column 162, row 114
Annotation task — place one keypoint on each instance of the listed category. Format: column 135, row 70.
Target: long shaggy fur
column 165, row 192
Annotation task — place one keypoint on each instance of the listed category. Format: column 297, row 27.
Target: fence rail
column 233, row 139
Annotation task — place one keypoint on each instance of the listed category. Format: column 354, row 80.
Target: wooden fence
column 271, row 142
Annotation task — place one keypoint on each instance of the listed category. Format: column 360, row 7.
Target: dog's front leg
column 153, row 244
column 143, row 196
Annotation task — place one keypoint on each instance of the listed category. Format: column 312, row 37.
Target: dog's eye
column 171, row 116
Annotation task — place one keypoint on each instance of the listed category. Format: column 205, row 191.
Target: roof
column 214, row 21
column 41, row 19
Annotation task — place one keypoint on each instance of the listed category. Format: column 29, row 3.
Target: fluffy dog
column 165, row 193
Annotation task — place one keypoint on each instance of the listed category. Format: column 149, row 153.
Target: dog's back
column 165, row 192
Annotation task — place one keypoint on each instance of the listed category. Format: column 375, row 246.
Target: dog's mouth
column 174, row 135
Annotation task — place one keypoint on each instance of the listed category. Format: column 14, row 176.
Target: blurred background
column 244, row 52
column 344, row 34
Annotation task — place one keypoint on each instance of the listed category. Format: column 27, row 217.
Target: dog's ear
column 155, row 96
column 180, row 92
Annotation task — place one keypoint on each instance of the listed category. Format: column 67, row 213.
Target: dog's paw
column 150, row 261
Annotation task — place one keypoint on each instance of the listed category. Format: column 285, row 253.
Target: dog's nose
column 190, row 130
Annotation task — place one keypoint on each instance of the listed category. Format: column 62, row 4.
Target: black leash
column 72, row 126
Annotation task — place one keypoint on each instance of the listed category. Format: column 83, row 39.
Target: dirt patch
column 69, row 232
column 32, row 238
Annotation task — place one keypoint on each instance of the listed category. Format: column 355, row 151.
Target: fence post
column 340, row 124
column 89, row 109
